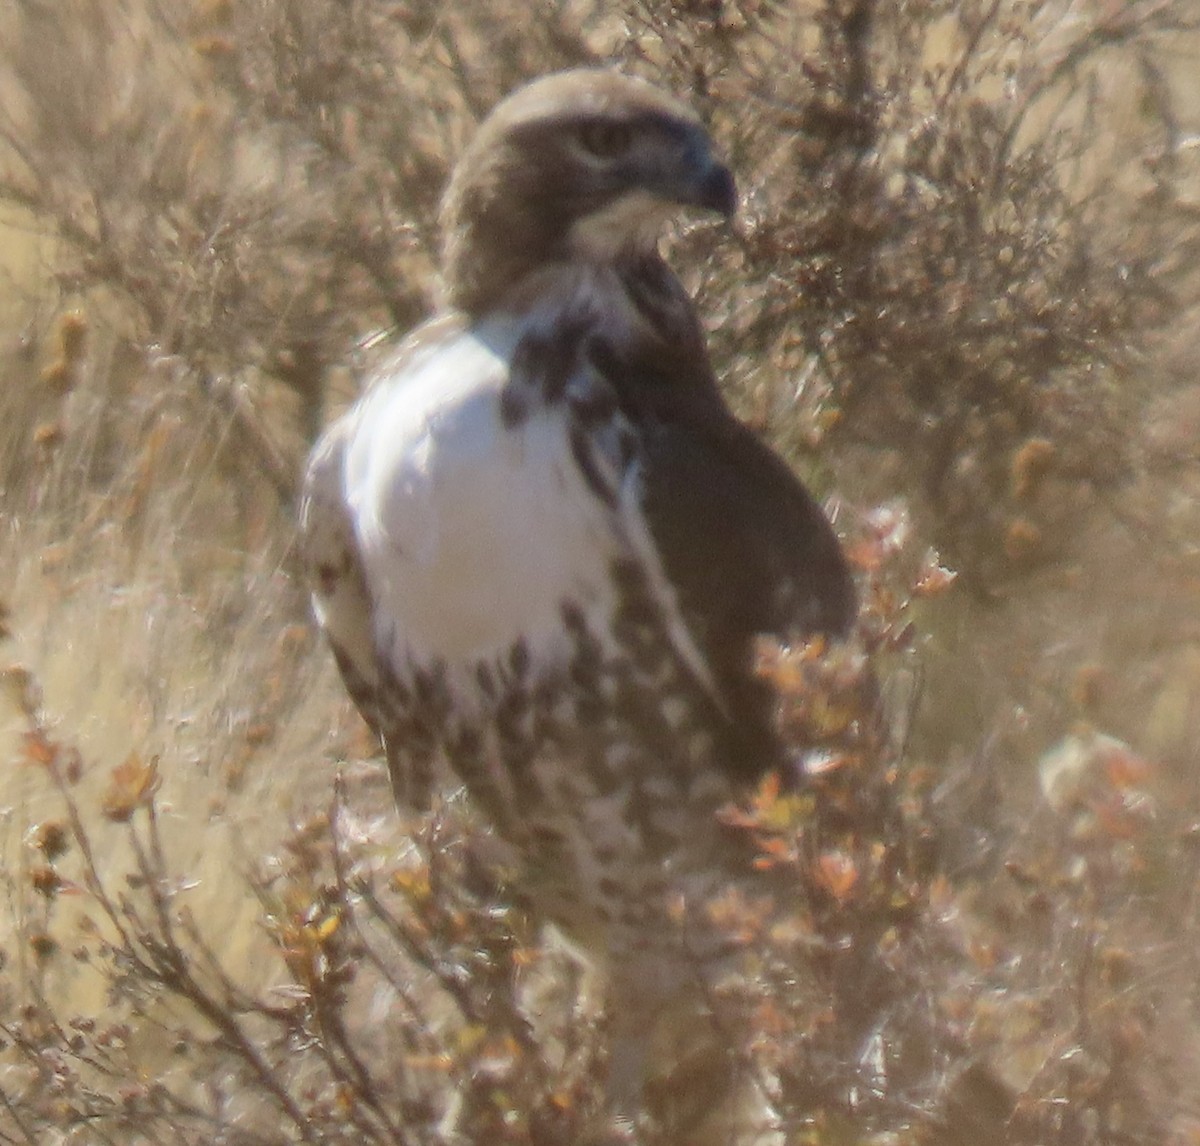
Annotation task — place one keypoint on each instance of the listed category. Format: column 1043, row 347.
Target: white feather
column 471, row 534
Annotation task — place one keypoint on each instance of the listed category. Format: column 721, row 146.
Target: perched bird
column 541, row 546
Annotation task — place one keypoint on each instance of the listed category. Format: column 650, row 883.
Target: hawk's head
column 582, row 165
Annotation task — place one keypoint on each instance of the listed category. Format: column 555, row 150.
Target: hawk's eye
column 605, row 138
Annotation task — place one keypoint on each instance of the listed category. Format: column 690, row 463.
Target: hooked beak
column 715, row 190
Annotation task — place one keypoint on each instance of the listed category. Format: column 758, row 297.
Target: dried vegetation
column 961, row 296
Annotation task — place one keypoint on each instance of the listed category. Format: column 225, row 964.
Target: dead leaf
column 132, row 785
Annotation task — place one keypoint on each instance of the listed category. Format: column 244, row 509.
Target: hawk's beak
column 716, row 191
column 701, row 180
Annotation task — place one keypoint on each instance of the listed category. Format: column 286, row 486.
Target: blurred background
column 962, row 298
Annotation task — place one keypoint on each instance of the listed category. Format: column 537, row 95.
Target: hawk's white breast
column 471, row 533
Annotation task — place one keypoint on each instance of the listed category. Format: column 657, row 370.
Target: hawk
column 541, row 546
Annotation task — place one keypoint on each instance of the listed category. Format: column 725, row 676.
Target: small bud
column 216, row 49
column 44, row 946
column 72, row 335
column 49, row 436
column 1022, row 540
column 51, row 838
column 46, row 881
column 59, row 376
column 1030, row 465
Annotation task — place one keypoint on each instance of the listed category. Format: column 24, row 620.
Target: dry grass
column 964, row 284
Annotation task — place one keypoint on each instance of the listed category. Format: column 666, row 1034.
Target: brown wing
column 745, row 546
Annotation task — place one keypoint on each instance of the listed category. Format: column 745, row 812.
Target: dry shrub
column 286, row 1049
column 968, row 246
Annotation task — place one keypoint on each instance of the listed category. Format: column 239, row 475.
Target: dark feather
column 745, row 546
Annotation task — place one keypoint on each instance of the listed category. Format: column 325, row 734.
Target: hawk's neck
column 637, row 299
column 516, row 279
column 627, row 323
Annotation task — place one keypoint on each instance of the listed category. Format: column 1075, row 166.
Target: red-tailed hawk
column 541, row 546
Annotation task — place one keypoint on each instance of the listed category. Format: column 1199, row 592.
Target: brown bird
column 541, row 546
